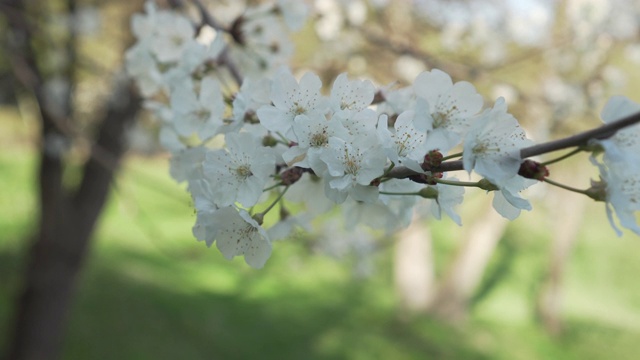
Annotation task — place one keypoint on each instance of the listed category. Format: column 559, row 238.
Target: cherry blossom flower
column 492, row 145
column 313, row 133
column 172, row 34
column 350, row 95
column 291, row 99
column 353, row 166
column 507, row 201
column 452, row 107
column 406, row 144
column 621, row 182
column 236, row 233
column 625, row 144
column 448, row 197
column 199, row 113
column 240, row 172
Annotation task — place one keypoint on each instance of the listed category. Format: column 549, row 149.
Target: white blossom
column 253, row 94
column 291, row 99
column 624, row 145
column 621, row 181
column 353, row 166
column 240, row 172
column 313, row 133
column 199, row 113
column 236, row 233
column 448, row 197
column 294, row 13
column 452, row 107
column 350, row 95
column 406, row 144
column 507, row 201
column 172, row 34
column 492, row 145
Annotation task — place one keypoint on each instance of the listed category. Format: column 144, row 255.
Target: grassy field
column 150, row 291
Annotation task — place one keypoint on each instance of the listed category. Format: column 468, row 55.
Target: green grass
column 151, row 291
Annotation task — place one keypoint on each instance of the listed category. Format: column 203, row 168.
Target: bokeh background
column 557, row 283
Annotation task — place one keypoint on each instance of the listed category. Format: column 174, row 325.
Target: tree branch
column 581, row 139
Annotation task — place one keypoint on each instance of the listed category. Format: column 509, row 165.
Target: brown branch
column 223, row 59
column 581, row 139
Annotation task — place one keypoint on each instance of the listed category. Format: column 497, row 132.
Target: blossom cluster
column 279, row 142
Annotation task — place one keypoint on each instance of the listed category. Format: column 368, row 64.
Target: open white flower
column 253, row 94
column 448, row 197
column 351, row 95
column 492, row 145
column 199, row 113
column 294, row 13
column 313, row 133
column 173, row 33
column 353, row 166
column 240, row 172
column 625, row 144
column 406, row 144
column 236, row 233
column 622, row 188
column 452, row 107
column 507, row 201
column 291, row 99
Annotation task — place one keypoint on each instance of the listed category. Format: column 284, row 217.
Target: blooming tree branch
column 374, row 151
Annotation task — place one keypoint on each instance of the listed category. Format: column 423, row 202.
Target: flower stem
column 456, row 183
column 566, row 187
column 389, row 169
column 452, row 156
column 275, row 201
column 399, row 193
column 565, row 156
column 272, row 187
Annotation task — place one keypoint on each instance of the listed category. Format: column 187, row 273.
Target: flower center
column 203, row 115
column 243, row 171
column 351, row 166
column 319, row 139
column 443, row 116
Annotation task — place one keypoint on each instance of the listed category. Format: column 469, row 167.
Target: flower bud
column 533, row 170
column 431, row 160
column 428, row 192
column 485, row 184
column 269, row 141
column 291, row 175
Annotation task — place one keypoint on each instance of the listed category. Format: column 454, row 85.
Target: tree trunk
column 414, row 267
column 464, row 275
column 67, row 216
column 567, row 212
column 66, row 224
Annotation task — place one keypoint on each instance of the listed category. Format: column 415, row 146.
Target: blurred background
column 97, row 241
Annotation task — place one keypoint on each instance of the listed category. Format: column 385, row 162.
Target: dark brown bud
column 291, row 175
column 431, row 160
column 533, row 170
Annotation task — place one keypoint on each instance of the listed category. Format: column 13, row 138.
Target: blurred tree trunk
column 68, row 215
column 414, row 267
column 465, row 273
column 567, row 213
